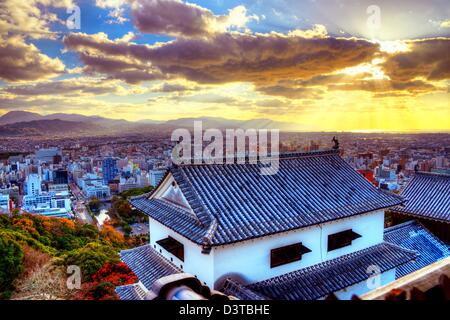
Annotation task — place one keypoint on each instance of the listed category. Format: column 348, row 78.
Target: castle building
column 315, row 227
column 427, row 199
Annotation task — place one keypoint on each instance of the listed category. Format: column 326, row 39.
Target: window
column 173, row 246
column 341, row 239
column 287, row 254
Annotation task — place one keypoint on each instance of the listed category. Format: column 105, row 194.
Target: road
column 81, row 212
column 79, row 207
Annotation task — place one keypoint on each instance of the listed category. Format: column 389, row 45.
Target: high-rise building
column 33, row 184
column 60, row 177
column 109, row 169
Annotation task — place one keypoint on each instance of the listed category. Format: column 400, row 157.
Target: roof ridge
column 432, row 174
column 248, row 159
column 398, row 226
column 135, row 248
column 403, row 248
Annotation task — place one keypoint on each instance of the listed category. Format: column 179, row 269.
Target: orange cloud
column 20, row 61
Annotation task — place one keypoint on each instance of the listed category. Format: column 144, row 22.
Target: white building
column 4, row 203
column 137, row 181
column 156, row 176
column 33, row 184
column 268, row 236
column 96, row 189
column 49, row 204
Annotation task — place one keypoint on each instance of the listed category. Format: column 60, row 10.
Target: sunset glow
column 171, row 59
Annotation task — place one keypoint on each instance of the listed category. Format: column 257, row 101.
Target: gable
column 169, row 191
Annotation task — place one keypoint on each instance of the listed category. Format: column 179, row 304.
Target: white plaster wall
column 369, row 226
column 196, row 263
column 251, row 259
column 362, row 287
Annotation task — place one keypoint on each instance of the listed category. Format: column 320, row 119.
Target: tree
column 91, row 258
column 11, row 257
column 123, row 208
column 94, row 204
column 105, row 280
column 111, row 235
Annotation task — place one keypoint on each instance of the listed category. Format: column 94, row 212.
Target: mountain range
column 18, row 123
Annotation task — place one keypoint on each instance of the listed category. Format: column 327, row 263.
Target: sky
column 323, row 65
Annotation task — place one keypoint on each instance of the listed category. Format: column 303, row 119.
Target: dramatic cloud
column 229, row 57
column 176, row 18
column 291, row 92
column 383, row 85
column 427, row 58
column 175, row 87
column 130, row 71
column 20, row 61
column 69, row 87
column 22, row 20
column 31, row 17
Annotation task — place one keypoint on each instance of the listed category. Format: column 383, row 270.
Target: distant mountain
column 25, row 116
column 19, row 116
column 46, row 127
column 18, row 122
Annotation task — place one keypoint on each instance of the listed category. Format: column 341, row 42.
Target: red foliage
column 105, row 280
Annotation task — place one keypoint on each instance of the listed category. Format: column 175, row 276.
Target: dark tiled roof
column 130, row 292
column 413, row 236
column 234, row 202
column 147, row 264
column 427, row 195
column 171, row 216
column 318, row 281
column 234, row 288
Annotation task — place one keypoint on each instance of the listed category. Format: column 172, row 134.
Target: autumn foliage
column 104, row 282
column 33, row 243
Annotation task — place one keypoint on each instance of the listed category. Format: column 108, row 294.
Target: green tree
column 94, row 204
column 11, row 257
column 91, row 258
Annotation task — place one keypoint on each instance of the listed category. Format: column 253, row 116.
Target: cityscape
column 254, row 151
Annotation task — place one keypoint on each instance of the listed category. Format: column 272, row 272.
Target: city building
column 269, row 236
column 5, row 204
column 428, row 201
column 49, row 155
column 109, row 169
column 96, row 189
column 33, row 185
column 386, row 177
column 60, row 177
column 155, row 176
column 49, row 204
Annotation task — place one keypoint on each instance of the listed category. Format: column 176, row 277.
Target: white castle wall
column 251, row 259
